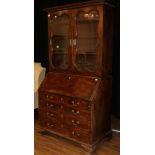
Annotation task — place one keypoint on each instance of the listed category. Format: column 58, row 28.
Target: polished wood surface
column 84, row 120
column 70, row 85
column 75, row 96
column 49, row 145
column 103, row 48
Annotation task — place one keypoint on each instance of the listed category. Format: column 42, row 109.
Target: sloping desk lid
column 70, row 85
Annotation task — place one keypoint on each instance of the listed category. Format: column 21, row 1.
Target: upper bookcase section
column 80, row 38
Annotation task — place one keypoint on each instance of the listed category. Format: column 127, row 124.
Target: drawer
column 50, row 115
column 48, row 97
column 75, row 122
column 76, row 103
column 50, row 105
column 68, row 121
column 79, row 104
column 64, row 126
column 66, row 101
column 78, row 113
column 73, row 133
column 52, row 124
column 79, row 135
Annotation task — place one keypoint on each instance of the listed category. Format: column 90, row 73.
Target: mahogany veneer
column 75, row 96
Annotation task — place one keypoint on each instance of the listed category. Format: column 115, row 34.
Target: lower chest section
column 66, row 116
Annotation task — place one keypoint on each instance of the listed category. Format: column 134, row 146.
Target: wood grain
column 48, row 145
column 63, row 90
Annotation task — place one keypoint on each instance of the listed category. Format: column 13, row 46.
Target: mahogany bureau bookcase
column 75, row 96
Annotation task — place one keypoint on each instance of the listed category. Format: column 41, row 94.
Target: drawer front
column 60, row 128
column 48, row 97
column 68, row 101
column 69, row 121
column 78, row 113
column 52, row 124
column 80, row 135
column 67, row 116
column 50, row 106
column 76, row 123
column 50, row 115
column 79, row 104
column 75, row 103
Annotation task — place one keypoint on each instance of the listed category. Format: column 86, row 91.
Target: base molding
column 89, row 148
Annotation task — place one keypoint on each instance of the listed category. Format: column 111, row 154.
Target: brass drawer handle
column 51, row 105
column 75, row 104
column 95, row 79
column 75, row 112
column 75, row 133
column 75, row 122
column 74, row 42
column 50, row 125
column 51, row 115
column 48, row 114
column 61, row 99
column 47, row 96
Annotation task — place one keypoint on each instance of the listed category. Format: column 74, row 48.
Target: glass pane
column 87, row 26
column 60, row 41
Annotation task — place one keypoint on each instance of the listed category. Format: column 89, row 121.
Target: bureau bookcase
column 75, row 96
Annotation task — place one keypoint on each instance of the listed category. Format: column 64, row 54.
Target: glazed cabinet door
column 59, row 36
column 87, row 40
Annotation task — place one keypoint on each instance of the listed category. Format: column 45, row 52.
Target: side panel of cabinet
column 102, row 111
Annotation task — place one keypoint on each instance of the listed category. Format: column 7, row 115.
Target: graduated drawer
column 48, row 96
column 50, row 115
column 68, row 132
column 78, row 135
column 75, row 103
column 71, row 111
column 75, row 122
column 70, row 101
column 79, row 104
column 47, row 105
column 69, row 121
column 51, row 123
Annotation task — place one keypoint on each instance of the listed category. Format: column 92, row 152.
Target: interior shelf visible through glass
column 60, row 41
column 87, row 41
